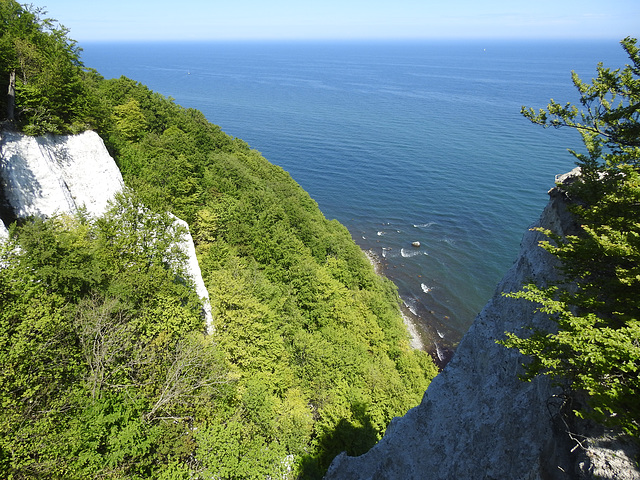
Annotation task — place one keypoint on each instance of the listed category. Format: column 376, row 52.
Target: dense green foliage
column 49, row 91
column 99, row 344
column 597, row 307
column 106, row 371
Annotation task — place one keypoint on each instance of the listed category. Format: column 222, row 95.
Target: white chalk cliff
column 52, row 174
column 477, row 420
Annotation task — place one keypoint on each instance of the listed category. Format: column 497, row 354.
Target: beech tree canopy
column 106, row 370
column 41, row 71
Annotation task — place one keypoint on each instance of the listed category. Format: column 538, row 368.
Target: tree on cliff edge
column 40, row 71
column 597, row 304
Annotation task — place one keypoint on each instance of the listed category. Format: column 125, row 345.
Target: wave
column 412, row 305
column 383, row 232
column 411, row 253
column 388, row 252
column 425, row 288
column 423, row 225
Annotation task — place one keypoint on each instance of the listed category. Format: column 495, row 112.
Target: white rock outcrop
column 193, row 267
column 477, row 420
column 52, row 174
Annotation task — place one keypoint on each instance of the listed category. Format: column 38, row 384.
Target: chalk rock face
column 43, row 176
column 52, row 174
column 477, row 420
column 193, row 267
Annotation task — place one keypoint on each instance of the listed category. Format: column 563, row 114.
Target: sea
column 402, row 142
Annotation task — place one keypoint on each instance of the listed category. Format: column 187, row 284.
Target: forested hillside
column 106, row 369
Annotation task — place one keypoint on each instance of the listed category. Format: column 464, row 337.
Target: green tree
column 608, row 121
column 597, row 304
column 40, row 68
column 105, row 365
column 130, row 121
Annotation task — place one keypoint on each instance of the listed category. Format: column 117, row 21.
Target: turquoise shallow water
column 401, row 142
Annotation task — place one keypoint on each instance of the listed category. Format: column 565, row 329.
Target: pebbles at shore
column 415, row 340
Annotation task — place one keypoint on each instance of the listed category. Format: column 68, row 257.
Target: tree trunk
column 11, row 96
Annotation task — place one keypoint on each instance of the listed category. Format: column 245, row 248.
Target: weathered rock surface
column 42, row 176
column 477, row 420
column 52, row 174
column 193, row 268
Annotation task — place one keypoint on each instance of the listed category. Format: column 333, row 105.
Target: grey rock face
column 477, row 420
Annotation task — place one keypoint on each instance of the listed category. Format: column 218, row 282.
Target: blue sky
column 344, row 19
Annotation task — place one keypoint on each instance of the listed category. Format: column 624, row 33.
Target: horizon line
column 356, row 39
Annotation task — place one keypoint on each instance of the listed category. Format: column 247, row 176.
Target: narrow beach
column 415, row 339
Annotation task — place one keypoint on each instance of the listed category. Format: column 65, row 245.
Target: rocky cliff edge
column 477, row 420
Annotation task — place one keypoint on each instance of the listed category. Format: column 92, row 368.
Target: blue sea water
column 401, row 142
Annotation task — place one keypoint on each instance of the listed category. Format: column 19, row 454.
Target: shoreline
column 420, row 337
column 415, row 338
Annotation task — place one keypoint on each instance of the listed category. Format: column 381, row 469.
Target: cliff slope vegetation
column 106, row 370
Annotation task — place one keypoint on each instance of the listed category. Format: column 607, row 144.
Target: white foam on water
column 425, row 288
column 387, row 252
column 411, row 305
column 411, row 253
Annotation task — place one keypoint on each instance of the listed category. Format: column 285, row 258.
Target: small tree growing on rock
column 597, row 304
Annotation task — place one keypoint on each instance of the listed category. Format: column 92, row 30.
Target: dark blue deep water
column 400, row 142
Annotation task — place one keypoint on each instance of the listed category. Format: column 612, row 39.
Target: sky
column 194, row 20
